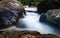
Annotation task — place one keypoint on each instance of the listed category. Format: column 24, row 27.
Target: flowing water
column 31, row 21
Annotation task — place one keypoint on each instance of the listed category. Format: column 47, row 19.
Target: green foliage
column 27, row 2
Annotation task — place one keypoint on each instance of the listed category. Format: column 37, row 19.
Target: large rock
column 15, row 33
column 46, row 5
column 51, row 17
column 10, row 12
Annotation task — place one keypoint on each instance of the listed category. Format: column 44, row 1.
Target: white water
column 31, row 21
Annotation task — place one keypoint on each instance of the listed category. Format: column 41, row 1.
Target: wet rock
column 10, row 12
column 43, row 18
column 51, row 17
column 24, row 34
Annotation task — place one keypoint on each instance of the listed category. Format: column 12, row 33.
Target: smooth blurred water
column 31, row 21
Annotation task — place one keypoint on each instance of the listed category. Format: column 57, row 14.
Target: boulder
column 46, row 5
column 51, row 17
column 10, row 12
column 22, row 33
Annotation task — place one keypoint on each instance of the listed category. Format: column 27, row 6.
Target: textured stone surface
column 11, row 11
column 53, row 14
column 24, row 34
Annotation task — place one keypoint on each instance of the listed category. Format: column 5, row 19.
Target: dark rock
column 42, row 7
column 43, row 18
column 46, row 5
